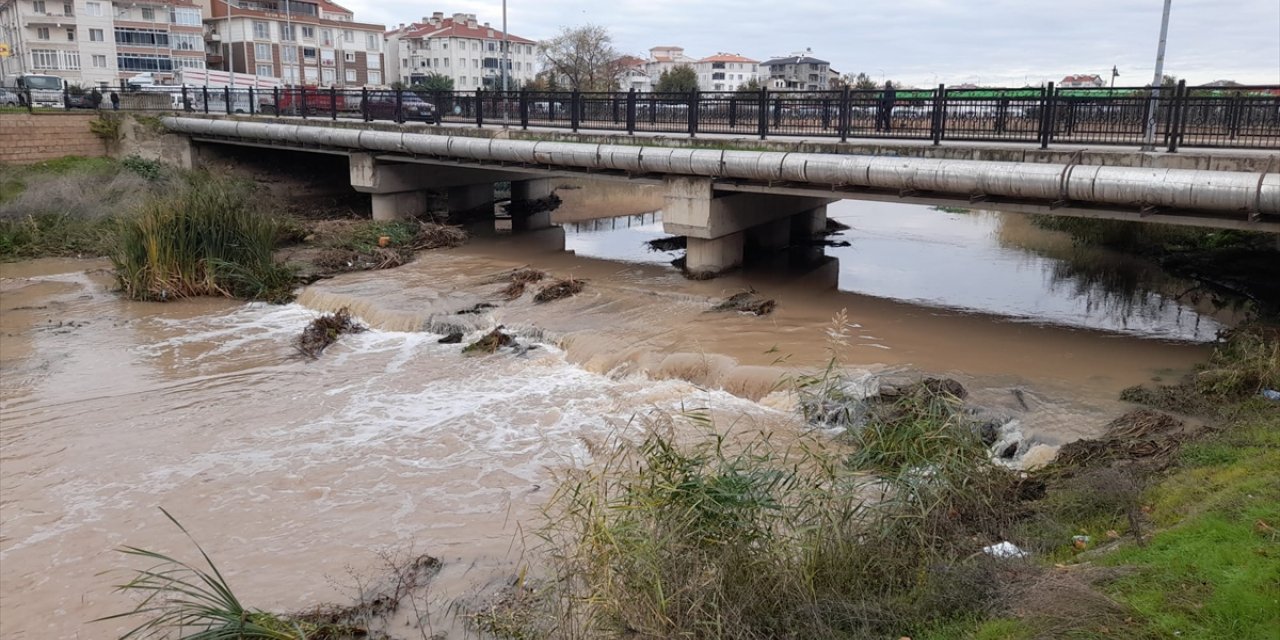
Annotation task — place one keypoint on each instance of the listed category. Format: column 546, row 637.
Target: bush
column 207, row 239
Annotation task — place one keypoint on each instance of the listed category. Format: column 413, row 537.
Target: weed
column 207, row 239
column 520, row 279
column 150, row 169
column 107, row 128
column 490, row 342
column 558, row 290
column 324, row 331
column 747, row 302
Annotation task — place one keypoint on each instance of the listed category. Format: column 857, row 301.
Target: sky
column 920, row 42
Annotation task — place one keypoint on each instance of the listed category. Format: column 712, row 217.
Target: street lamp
column 1149, row 140
column 506, row 64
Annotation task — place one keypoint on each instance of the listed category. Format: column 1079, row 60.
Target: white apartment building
column 302, row 42
column 726, row 72
column 100, row 42
column 461, row 48
column 663, row 59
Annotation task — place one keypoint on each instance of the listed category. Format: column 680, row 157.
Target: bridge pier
column 471, row 200
column 717, row 225
column 396, row 190
column 530, row 204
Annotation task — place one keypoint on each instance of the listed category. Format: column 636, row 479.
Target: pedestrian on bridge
column 884, row 117
column 115, row 101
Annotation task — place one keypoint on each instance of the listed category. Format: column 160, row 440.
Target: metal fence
column 1236, row 117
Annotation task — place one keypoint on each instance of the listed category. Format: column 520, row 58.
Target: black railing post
column 733, row 111
column 524, row 109
column 693, row 113
column 302, row 101
column 275, row 101
column 617, row 106
column 253, row 105
column 631, row 112
column 399, row 119
column 762, row 113
column 333, row 103
column 1046, row 115
column 1177, row 113
column 186, row 99
column 479, row 107
column 205, row 92
column 846, row 115
column 939, row 115
column 574, row 113
column 226, row 97
column 66, row 97
column 1233, row 115
column 653, row 110
column 364, row 104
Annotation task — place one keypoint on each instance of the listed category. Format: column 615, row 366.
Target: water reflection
column 977, row 261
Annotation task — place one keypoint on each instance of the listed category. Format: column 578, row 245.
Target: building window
column 371, row 42
column 188, row 63
column 349, row 57
column 262, row 51
column 71, row 35
column 44, row 59
column 142, row 37
column 309, row 55
column 326, row 38
column 100, row 62
column 287, row 33
column 308, row 33
column 67, row 9
column 96, row 35
column 348, row 35
column 38, row 7
column 71, row 60
column 290, row 75
column 373, row 61
column 185, row 17
column 328, row 76
column 289, row 54
column 42, row 33
column 149, row 14
column 185, row 42
column 143, row 62
column 261, row 30
column 265, row 70
column 351, row 75
column 475, row 46
column 375, row 77
column 310, row 74
column 93, row 9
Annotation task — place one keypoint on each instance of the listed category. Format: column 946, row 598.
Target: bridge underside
column 438, row 172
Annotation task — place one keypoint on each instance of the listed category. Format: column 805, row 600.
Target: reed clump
column 207, row 238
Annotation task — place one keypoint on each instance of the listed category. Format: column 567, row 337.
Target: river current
column 295, row 474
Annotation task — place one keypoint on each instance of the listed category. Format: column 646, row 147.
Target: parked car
column 10, row 98
column 412, row 107
column 86, row 100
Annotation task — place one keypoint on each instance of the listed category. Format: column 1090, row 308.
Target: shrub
column 207, row 239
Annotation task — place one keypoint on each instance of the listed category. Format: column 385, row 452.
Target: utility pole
column 506, row 64
column 1149, row 140
column 1114, row 72
column 231, row 48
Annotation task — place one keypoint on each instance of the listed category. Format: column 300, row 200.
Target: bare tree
column 583, row 57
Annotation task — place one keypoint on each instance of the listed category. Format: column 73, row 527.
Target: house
column 308, row 42
column 633, row 74
column 462, row 48
column 1082, row 82
column 664, row 59
column 725, row 72
column 798, row 72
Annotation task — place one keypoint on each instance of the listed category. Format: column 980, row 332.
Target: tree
column 680, row 79
column 750, row 86
column 861, row 82
column 434, row 82
column 583, row 57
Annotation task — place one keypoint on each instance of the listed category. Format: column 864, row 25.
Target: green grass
column 52, row 234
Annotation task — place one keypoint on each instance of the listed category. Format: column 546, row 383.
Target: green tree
column 434, row 82
column 582, row 57
column 750, row 86
column 862, row 82
column 681, row 79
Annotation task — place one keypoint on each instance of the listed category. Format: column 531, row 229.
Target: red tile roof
column 1081, row 78
column 728, row 57
column 631, row 62
column 448, row 28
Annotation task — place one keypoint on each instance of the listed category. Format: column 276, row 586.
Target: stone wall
column 26, row 138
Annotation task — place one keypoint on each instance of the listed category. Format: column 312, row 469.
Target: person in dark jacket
column 115, row 101
column 884, row 117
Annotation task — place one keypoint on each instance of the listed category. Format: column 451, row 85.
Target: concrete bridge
column 725, row 193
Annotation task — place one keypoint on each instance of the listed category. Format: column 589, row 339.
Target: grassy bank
column 174, row 233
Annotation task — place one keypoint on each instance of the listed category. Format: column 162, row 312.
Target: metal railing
column 1236, row 117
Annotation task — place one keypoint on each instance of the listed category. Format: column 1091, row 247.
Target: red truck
column 312, row 101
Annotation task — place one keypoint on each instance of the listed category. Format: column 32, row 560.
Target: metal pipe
column 1135, row 187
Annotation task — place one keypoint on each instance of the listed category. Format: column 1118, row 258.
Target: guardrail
column 1237, row 117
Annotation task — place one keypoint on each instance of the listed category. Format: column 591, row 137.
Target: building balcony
column 213, row 59
column 49, row 19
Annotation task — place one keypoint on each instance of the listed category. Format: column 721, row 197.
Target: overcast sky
column 992, row 42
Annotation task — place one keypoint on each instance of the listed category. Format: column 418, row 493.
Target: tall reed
column 208, row 238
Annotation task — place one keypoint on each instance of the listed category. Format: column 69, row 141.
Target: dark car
column 87, row 100
column 383, row 107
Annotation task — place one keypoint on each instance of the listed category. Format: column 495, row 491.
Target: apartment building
column 665, row 58
column 726, row 72
column 307, row 42
column 798, row 72
column 459, row 47
column 99, row 42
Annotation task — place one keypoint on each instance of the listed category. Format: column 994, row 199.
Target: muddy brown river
column 296, row 474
